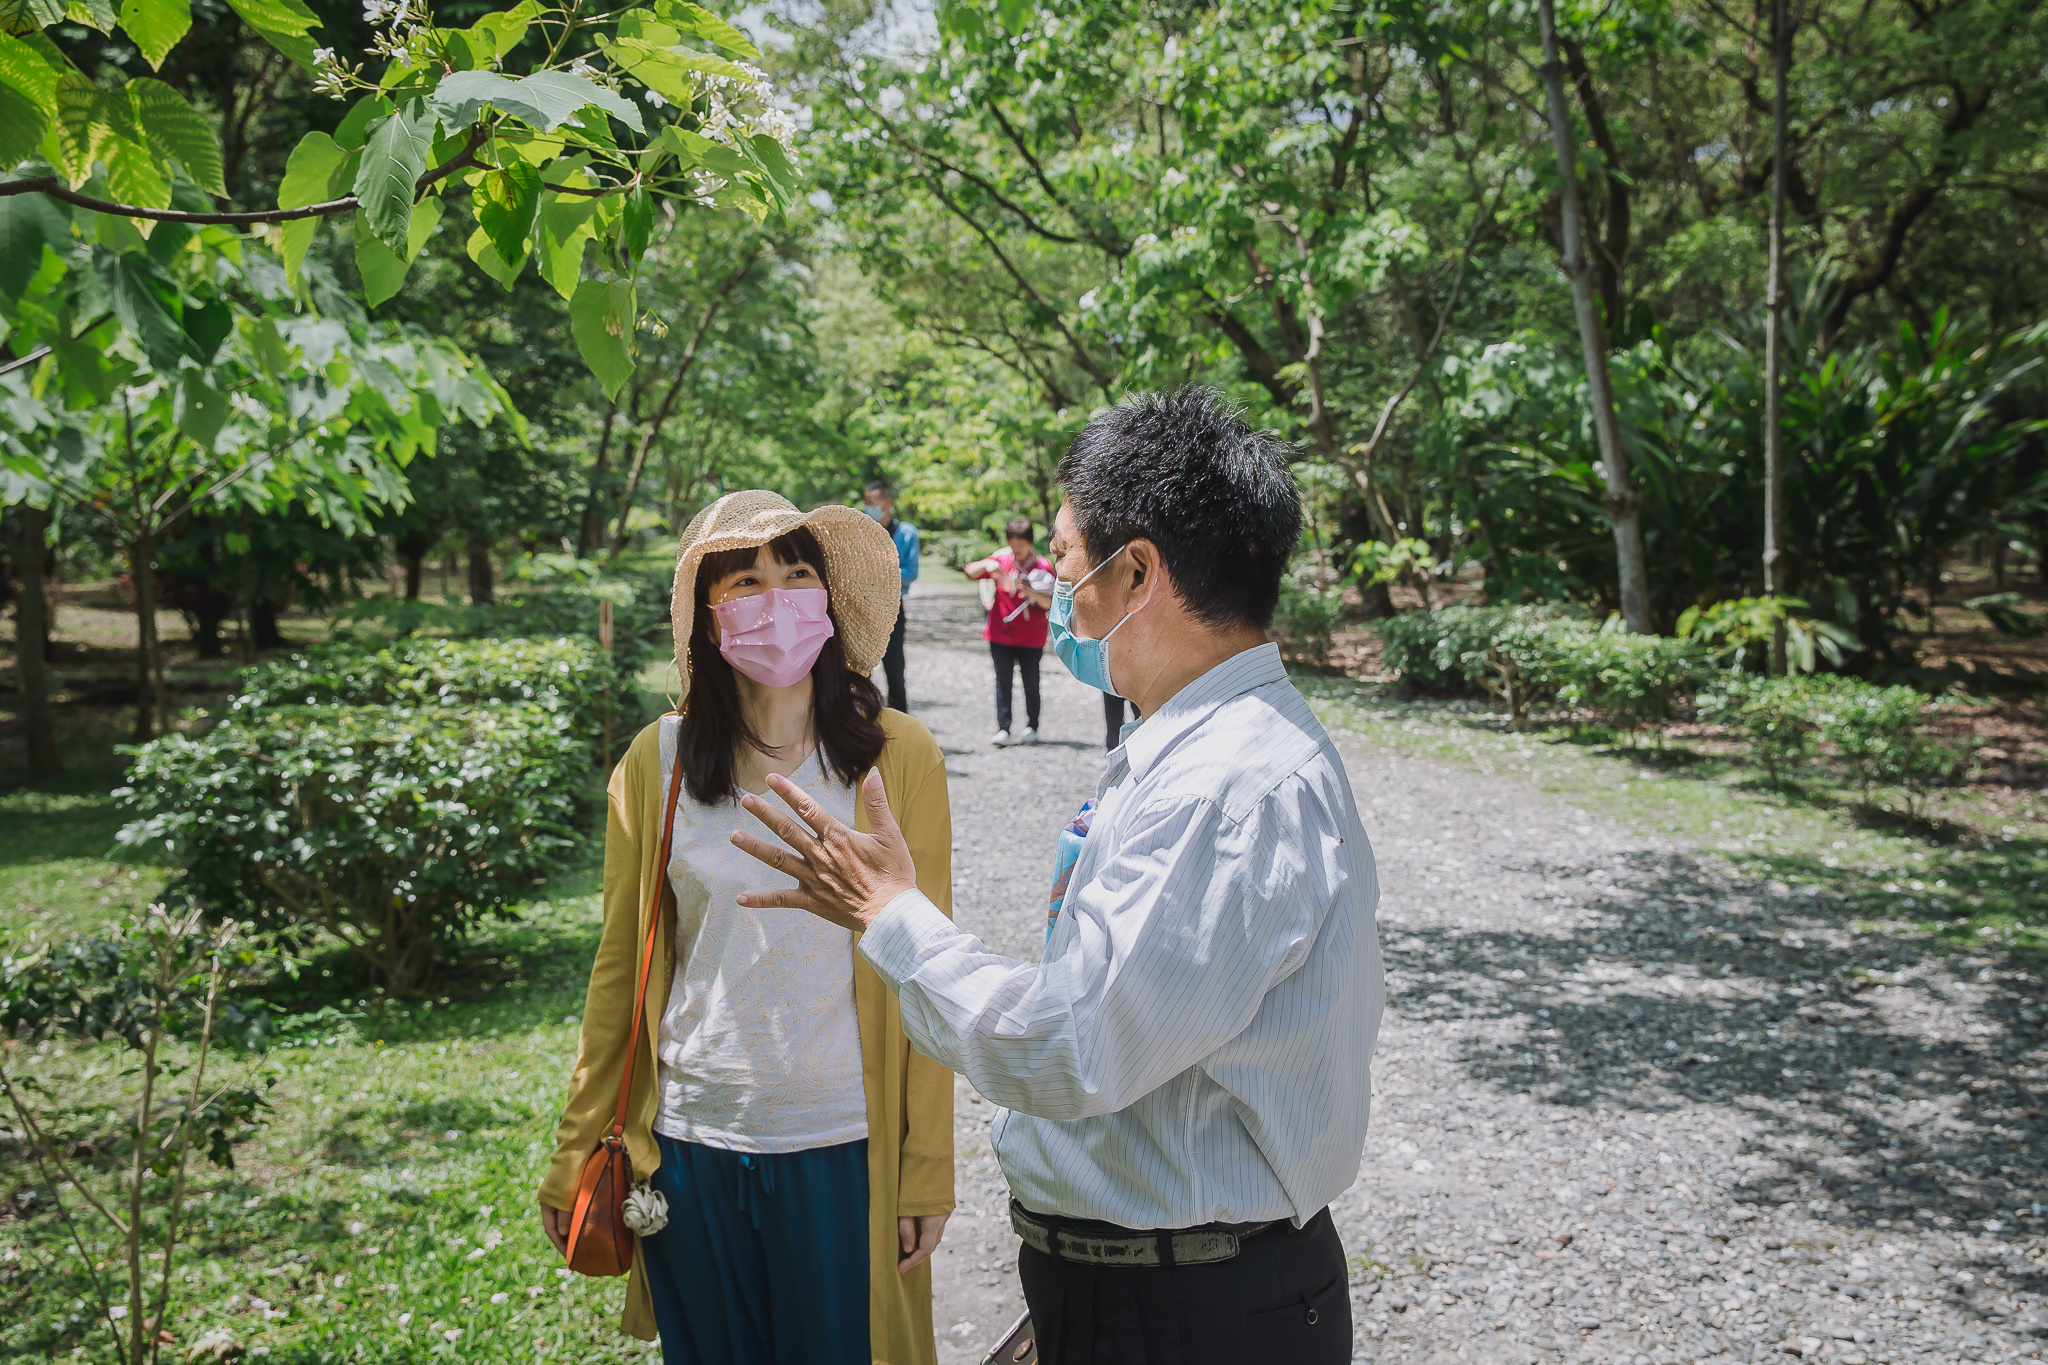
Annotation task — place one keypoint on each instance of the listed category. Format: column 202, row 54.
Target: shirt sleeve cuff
column 904, row 937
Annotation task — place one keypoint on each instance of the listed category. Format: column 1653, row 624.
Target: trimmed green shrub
column 393, row 829
column 1505, row 652
column 1630, row 680
column 569, row 676
column 958, row 549
column 1876, row 734
column 1774, row 714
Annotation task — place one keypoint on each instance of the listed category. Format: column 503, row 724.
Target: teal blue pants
column 765, row 1257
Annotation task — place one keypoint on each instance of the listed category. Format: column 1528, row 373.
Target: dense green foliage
column 568, row 676
column 392, row 829
column 1876, row 734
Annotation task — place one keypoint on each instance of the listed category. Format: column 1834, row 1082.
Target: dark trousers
column 1113, row 717
column 1284, row 1297
column 892, row 663
column 1024, row 659
column 765, row 1257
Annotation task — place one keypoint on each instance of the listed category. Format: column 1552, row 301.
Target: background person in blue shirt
column 881, row 505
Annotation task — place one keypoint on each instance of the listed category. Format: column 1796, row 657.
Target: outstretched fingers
column 782, row 859
column 784, row 825
column 807, row 809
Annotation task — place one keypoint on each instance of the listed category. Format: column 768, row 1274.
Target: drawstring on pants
column 755, row 1167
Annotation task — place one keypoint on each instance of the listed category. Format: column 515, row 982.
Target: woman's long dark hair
column 844, row 705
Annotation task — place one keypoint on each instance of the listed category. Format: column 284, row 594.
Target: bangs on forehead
column 794, row 547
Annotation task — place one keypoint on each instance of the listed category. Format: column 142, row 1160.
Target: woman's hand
column 555, row 1222
column 919, row 1238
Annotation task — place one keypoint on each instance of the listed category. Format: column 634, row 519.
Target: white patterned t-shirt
column 760, row 1044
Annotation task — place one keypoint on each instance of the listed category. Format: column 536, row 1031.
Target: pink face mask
column 774, row 637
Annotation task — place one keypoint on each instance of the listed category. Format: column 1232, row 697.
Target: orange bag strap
column 668, row 830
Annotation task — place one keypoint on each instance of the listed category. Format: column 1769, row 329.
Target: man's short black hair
column 881, row 486
column 1187, row 472
column 1017, row 528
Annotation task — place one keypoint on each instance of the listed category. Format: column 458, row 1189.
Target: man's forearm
column 978, row 1013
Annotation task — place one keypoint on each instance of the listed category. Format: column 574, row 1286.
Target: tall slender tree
column 1623, row 502
column 1774, row 336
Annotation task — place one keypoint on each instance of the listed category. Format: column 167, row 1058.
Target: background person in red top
column 1016, row 623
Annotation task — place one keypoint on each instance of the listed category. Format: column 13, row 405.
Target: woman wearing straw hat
column 803, row 1152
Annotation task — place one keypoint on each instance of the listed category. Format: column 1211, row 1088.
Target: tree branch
column 39, row 352
column 57, row 189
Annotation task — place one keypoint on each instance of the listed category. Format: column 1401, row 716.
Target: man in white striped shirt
column 1185, row 1078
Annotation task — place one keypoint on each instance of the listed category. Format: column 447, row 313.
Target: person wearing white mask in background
column 1186, row 1076
column 879, row 502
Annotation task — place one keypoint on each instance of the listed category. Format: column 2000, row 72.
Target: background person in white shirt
column 1187, row 1074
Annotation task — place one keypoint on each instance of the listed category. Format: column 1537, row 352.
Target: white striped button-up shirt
column 1197, row 1045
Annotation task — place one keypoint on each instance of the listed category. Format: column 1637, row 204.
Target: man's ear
column 1145, row 566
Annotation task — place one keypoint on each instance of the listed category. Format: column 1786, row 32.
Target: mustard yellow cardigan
column 909, row 1096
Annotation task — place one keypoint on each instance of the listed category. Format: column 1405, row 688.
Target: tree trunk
column 412, row 548
column 590, row 529
column 1774, row 342
column 1624, row 504
column 149, row 696
column 263, row 624
column 31, row 635
column 479, row 571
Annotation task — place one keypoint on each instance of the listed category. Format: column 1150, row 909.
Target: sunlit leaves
column 308, row 179
column 285, row 24
column 382, row 269
column 545, row 100
column 507, row 202
column 176, row 132
column 27, row 16
column 156, row 26
column 566, row 224
column 702, row 23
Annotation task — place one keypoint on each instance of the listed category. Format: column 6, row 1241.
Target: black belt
column 1087, row 1243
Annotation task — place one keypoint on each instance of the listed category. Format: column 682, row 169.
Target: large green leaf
column 667, row 71
column 565, row 225
column 383, row 270
column 135, row 175
column 206, row 326
column 146, row 302
column 93, row 14
column 506, row 203
column 308, row 177
column 485, row 253
column 22, row 124
column 350, row 133
column 695, row 19
column 156, row 26
column 284, row 23
column 31, row 66
column 601, row 335
column 82, row 125
column 544, row 100
column 28, row 223
column 699, row 150
column 176, row 132
column 394, row 158
column 201, row 409
column 494, row 35
column 781, row 174
column 27, row 16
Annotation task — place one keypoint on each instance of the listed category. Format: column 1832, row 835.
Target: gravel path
column 1630, row 1106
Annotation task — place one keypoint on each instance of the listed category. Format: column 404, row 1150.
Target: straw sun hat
column 861, row 569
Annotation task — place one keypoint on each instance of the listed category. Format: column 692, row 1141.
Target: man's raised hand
column 841, row 875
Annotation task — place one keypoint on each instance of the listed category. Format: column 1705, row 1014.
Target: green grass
column 404, row 1139
column 1971, row 868
column 56, row 875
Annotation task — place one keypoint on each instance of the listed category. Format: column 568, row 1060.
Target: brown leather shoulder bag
column 599, row 1241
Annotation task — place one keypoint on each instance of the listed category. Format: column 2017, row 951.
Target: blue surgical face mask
column 874, row 512
column 1087, row 660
